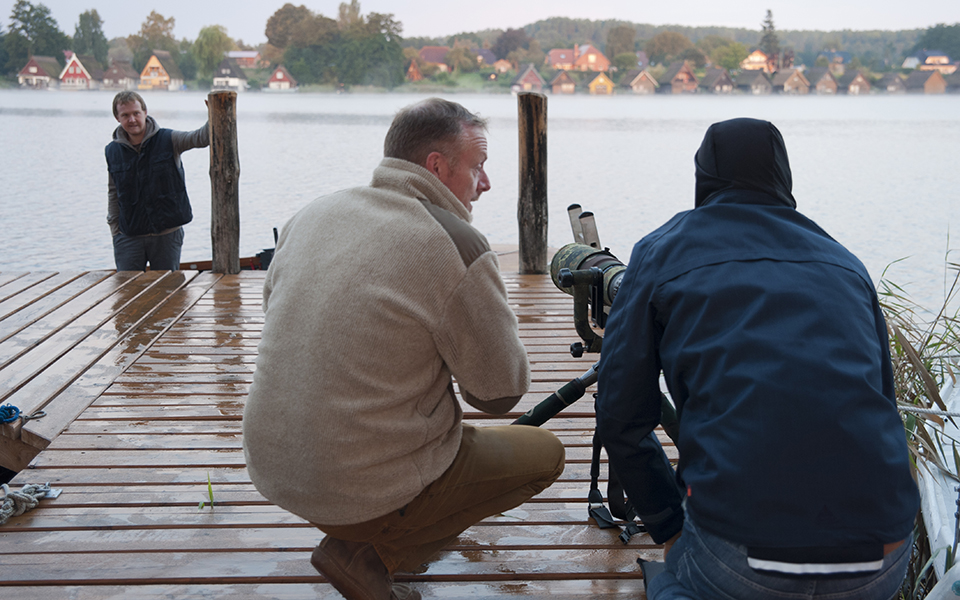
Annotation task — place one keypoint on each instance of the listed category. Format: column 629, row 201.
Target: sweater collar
column 411, row 179
column 119, row 135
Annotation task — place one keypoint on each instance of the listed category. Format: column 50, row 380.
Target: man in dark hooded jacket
column 793, row 475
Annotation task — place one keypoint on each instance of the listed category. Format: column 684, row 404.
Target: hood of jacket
column 743, row 154
column 151, row 127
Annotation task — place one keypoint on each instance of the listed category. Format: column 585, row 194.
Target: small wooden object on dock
column 224, row 182
column 532, row 205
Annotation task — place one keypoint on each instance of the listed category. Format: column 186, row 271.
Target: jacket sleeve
column 479, row 340
column 113, row 207
column 187, row 140
column 628, row 408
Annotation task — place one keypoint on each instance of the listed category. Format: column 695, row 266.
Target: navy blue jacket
column 774, row 349
column 150, row 185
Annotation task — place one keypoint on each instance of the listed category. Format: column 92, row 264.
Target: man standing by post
column 794, row 477
column 147, row 203
column 377, row 297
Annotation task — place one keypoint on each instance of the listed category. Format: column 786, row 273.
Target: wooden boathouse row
column 143, row 377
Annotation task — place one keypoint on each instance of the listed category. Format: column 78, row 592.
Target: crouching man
column 376, row 299
column 794, row 478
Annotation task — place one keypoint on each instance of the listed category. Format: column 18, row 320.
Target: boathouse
column 717, row 81
column 754, row 82
column 281, row 80
column 821, row 80
column 678, row 79
column 790, row 81
column 81, row 73
column 121, row 76
column 529, row 80
column 40, row 72
column 639, row 81
column 853, row 83
column 563, row 83
column 161, row 73
column 229, row 77
column 891, row 83
column 601, row 85
column 925, row 82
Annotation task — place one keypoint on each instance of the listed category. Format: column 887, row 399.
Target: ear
column 436, row 163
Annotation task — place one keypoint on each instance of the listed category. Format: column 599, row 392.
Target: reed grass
column 924, row 349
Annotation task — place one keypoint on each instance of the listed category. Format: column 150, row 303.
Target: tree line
column 352, row 48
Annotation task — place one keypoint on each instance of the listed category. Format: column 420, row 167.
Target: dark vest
column 150, row 185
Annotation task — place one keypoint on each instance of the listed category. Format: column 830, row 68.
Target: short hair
column 124, row 97
column 433, row 125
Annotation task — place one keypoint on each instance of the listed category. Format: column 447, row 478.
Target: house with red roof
column 81, row 73
column 560, row 59
column 435, row 55
column 40, row 72
column 281, row 81
column 588, row 58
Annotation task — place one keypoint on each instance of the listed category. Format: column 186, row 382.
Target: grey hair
column 433, row 125
column 124, row 97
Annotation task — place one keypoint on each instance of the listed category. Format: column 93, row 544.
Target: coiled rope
column 17, row 503
column 927, row 411
column 10, row 413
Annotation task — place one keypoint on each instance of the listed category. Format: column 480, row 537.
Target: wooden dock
column 142, row 378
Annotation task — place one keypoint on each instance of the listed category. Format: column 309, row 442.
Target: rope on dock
column 10, row 413
column 927, row 411
column 17, row 503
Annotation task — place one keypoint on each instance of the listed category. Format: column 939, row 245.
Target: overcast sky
column 246, row 19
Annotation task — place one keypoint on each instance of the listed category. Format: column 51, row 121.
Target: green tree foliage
column 532, row 55
column 510, row 40
column 665, row 47
column 281, row 24
column 625, row 61
column 695, row 56
column 942, row 37
column 208, row 50
column 349, row 15
column 461, row 60
column 88, row 37
column 156, row 33
column 730, row 56
column 32, row 32
column 769, row 41
column 620, row 41
column 4, row 56
column 366, row 51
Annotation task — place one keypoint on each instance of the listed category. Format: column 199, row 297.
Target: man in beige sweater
column 376, row 299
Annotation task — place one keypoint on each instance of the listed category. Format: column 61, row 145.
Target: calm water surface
column 879, row 173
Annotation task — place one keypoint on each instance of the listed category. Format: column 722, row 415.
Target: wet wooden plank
column 59, row 308
column 50, row 367
column 25, row 282
column 67, row 405
column 134, row 466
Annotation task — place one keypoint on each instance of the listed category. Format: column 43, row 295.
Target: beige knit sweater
column 375, row 297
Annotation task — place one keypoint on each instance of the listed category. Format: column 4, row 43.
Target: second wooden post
column 224, row 182
column 532, row 204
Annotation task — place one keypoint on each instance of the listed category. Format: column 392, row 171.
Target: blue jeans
column 702, row 566
column 132, row 253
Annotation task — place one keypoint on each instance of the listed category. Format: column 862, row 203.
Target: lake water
column 879, row 173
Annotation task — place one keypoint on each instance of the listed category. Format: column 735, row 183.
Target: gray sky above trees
column 246, row 19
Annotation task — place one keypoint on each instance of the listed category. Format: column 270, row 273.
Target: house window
column 592, row 58
column 279, row 75
column 32, row 69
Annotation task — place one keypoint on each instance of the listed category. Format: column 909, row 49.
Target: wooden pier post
column 532, row 203
column 224, row 182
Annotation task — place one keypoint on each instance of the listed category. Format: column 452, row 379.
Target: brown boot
column 354, row 569
column 402, row 591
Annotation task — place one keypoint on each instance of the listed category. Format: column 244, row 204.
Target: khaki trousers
column 496, row 469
